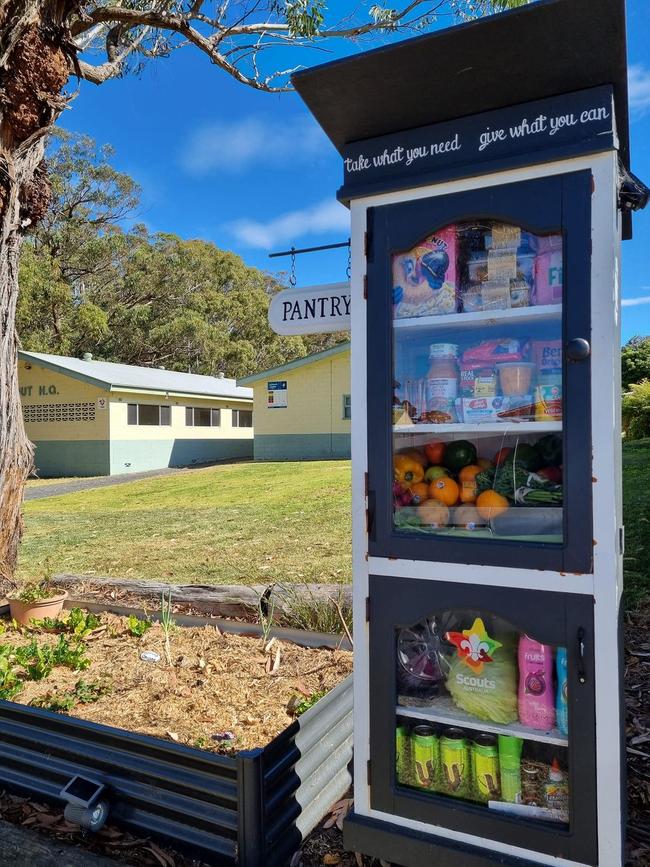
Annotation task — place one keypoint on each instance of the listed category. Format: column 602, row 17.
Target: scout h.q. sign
column 311, row 310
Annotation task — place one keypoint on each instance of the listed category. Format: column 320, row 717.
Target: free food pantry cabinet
column 489, row 189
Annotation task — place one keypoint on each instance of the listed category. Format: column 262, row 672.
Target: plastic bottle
column 536, row 699
column 561, row 706
column 510, row 768
column 557, row 791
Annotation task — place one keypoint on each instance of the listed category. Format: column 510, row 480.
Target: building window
column 199, row 416
column 149, row 414
column 55, row 412
column 242, row 418
column 347, row 406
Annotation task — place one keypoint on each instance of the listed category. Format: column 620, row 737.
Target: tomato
column 435, row 452
column 459, row 454
column 500, row 456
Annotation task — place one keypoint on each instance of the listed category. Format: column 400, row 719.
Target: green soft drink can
column 425, row 757
column 403, row 755
column 485, row 768
column 455, row 763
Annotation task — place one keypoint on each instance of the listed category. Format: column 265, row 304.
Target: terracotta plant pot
column 23, row 612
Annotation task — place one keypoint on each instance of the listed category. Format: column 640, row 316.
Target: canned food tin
column 455, row 763
column 485, row 768
column 425, row 757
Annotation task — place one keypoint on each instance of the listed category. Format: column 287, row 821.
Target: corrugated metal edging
column 186, row 796
column 305, row 771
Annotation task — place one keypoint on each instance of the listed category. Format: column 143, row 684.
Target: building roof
column 299, row 362
column 116, row 377
column 549, row 48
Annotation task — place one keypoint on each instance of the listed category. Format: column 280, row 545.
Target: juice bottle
column 536, row 699
column 510, row 767
column 561, row 706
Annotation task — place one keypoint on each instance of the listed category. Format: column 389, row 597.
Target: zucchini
column 531, row 521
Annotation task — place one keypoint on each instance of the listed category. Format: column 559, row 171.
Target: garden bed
column 210, row 752
column 222, row 692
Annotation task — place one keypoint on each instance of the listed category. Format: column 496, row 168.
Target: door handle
column 580, row 647
column 578, row 349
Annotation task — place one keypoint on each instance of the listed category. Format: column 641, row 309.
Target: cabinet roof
column 547, row 49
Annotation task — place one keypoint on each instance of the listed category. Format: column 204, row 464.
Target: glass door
column 488, row 690
column 484, row 389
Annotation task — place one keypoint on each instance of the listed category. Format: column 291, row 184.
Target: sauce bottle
column 442, row 383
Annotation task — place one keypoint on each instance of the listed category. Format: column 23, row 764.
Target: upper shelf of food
column 477, row 270
column 477, row 319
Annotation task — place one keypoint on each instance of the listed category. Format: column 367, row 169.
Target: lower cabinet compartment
column 486, row 698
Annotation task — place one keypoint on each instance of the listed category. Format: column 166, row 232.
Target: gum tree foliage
column 635, row 361
column 44, row 43
column 86, row 285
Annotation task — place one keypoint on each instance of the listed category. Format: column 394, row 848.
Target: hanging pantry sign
column 311, row 309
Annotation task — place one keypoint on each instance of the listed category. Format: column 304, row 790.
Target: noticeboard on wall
column 277, row 393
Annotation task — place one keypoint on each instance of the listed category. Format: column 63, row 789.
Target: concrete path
column 74, row 485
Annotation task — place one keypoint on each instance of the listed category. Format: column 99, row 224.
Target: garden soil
column 222, row 692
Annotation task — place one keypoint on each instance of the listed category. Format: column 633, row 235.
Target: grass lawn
column 242, row 523
column 42, row 483
column 248, row 524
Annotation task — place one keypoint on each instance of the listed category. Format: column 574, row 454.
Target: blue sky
column 253, row 173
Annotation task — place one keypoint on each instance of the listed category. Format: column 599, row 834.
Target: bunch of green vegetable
column 519, row 485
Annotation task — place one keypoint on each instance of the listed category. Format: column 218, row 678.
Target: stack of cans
column 448, row 761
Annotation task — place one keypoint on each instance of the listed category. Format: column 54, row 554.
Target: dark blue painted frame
column 545, row 205
column 554, row 618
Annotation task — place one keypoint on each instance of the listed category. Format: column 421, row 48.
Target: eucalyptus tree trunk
column 34, row 67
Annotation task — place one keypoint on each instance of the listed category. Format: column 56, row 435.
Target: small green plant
column 302, row 706
column 266, row 613
column 79, row 623
column 83, row 693
column 137, row 627
column 167, row 622
column 39, row 660
column 41, row 588
column 10, row 683
column 201, row 743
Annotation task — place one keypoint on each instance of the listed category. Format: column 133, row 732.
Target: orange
column 419, row 492
column 444, row 489
column 467, row 478
column 490, row 504
column 433, row 514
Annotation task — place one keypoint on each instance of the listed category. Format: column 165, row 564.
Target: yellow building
column 302, row 409
column 90, row 418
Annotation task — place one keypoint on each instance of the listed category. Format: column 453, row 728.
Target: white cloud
column 634, row 302
column 327, row 216
column 232, row 146
column 639, row 88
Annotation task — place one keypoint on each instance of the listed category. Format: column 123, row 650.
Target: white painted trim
column 606, row 582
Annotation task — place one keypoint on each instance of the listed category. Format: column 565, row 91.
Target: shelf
column 480, row 319
column 445, row 711
column 498, row 427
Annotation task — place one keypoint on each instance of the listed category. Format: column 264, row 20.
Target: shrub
column 636, row 411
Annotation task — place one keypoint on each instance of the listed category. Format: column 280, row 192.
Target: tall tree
column 43, row 42
column 635, row 361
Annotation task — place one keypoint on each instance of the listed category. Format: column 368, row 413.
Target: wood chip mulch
column 222, row 693
column 637, row 731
